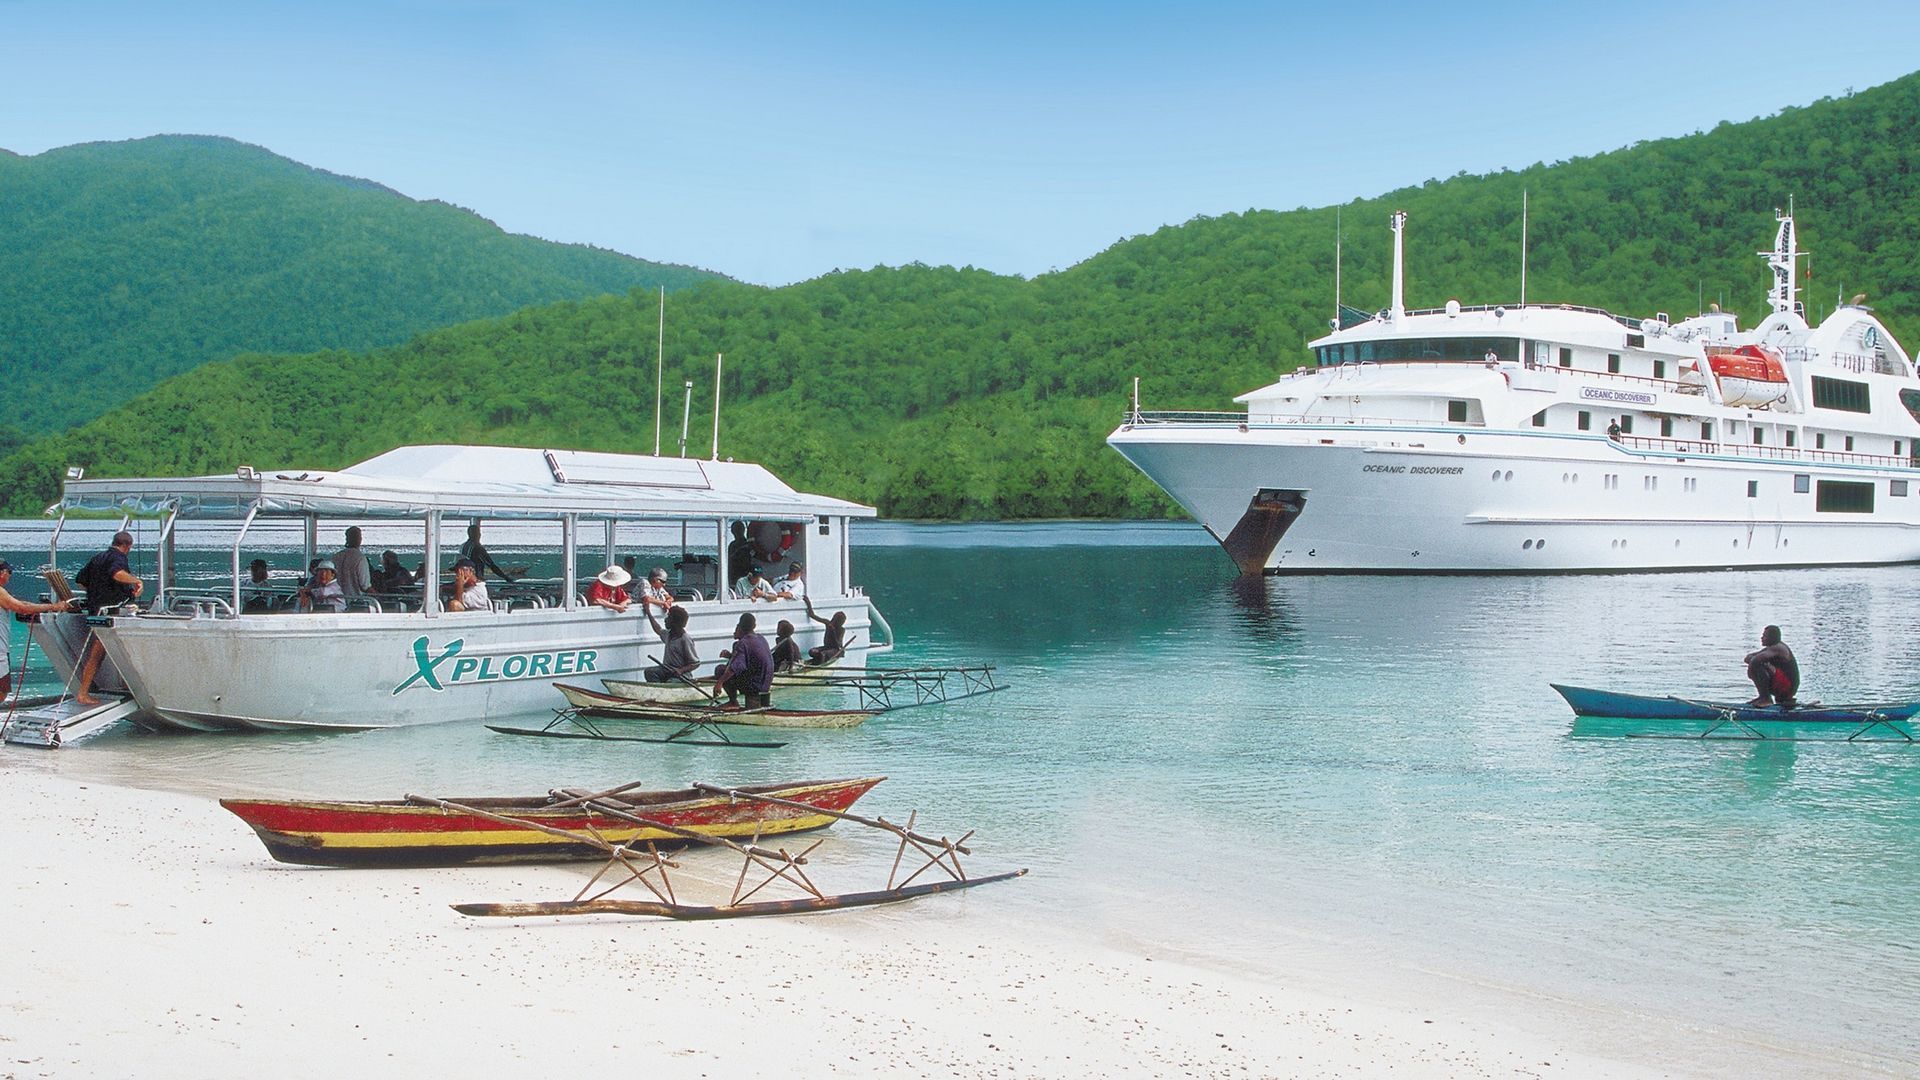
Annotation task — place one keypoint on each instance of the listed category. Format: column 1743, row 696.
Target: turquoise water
column 1218, row 768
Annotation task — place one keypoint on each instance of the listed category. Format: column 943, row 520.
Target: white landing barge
column 1552, row 438
column 203, row 659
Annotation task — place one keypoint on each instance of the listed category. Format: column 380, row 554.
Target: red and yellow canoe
column 401, row 833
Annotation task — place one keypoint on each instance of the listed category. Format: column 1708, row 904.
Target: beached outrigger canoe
column 595, row 703
column 1606, row 712
column 423, row 832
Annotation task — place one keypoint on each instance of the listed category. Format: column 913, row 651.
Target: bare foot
column 86, row 700
column 1760, row 702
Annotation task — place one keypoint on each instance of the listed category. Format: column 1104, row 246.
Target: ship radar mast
column 1783, row 261
column 1399, row 308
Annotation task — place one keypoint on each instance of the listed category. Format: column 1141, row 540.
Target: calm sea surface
column 1192, row 763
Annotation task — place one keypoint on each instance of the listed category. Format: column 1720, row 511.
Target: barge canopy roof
column 502, row 482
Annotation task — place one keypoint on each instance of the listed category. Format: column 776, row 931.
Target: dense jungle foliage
column 126, row 263
column 957, row 393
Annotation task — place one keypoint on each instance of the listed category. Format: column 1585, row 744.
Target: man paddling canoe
column 1774, row 671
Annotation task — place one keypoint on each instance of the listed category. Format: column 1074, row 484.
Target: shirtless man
column 1774, row 671
column 9, row 602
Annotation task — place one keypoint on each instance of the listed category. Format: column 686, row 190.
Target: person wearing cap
column 469, row 592
column 655, row 593
column 607, row 591
column 793, row 586
column 109, row 583
column 10, row 602
column 323, row 593
column 753, row 587
column 748, row 671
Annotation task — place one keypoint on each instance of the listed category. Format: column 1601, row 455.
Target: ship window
column 1566, row 357
column 1626, row 425
column 1437, row 349
column 1849, row 444
column 1666, row 427
column 1759, row 436
column 1753, row 489
column 1659, row 369
column 1896, row 448
column 1897, row 488
column 1540, row 418
column 1843, row 497
column 1911, row 399
column 1456, row 412
column 1842, row 394
column 1819, row 440
column 1789, row 436
column 1706, row 431
column 1636, row 341
column 1613, row 362
column 1586, row 420
column 1802, row 483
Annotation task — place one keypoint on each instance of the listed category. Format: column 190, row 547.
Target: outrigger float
column 629, row 864
column 1602, row 713
column 700, row 715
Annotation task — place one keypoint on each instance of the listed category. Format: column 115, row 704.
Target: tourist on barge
column 324, row 592
column 607, row 590
column 469, row 592
column 350, row 567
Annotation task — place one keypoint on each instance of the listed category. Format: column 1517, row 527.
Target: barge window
column 1843, row 497
column 1456, row 412
column 1586, row 420
column 1613, row 363
column 1844, row 395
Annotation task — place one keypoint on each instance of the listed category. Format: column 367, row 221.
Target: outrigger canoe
column 1607, row 712
column 595, row 703
column 422, row 832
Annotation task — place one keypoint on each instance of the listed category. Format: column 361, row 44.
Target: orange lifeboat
column 1749, row 376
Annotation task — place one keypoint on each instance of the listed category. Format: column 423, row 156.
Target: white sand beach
column 150, row 935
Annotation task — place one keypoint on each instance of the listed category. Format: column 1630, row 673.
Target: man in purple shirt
column 749, row 667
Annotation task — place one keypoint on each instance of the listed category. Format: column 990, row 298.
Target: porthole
column 1526, row 545
column 1538, row 544
column 1564, row 476
column 1676, row 543
column 1496, row 476
column 1509, row 475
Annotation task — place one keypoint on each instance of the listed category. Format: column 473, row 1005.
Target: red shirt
column 601, row 592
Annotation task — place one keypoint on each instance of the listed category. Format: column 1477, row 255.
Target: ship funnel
column 1399, row 307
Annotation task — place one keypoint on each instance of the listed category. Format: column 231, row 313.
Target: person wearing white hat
column 606, row 590
column 323, row 593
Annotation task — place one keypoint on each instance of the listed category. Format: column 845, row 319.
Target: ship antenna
column 1399, row 309
column 659, row 371
column 1336, row 268
column 1523, row 247
column 718, row 360
column 1782, row 261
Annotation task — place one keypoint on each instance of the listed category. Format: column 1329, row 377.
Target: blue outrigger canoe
column 1605, row 712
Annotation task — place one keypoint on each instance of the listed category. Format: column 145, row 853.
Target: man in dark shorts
column 109, row 583
column 748, row 671
column 1774, row 671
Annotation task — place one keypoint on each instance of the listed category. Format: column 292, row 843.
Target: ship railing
column 1242, row 420
column 1623, row 320
column 1345, row 368
column 1799, row 454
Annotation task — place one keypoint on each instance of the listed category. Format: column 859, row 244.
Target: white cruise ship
column 1554, row 438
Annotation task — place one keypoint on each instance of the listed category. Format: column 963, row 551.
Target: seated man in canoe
column 1774, row 671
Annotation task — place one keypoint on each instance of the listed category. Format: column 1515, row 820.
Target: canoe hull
column 397, row 833
column 1607, row 713
column 595, row 703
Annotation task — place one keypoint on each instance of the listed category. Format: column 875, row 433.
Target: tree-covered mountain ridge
column 125, row 263
column 937, row 392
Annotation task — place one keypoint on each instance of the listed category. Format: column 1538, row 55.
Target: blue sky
column 776, row 142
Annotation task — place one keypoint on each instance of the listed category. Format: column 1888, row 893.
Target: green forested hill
column 122, row 264
column 937, row 392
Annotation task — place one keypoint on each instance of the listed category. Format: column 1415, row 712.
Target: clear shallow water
column 1226, row 770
